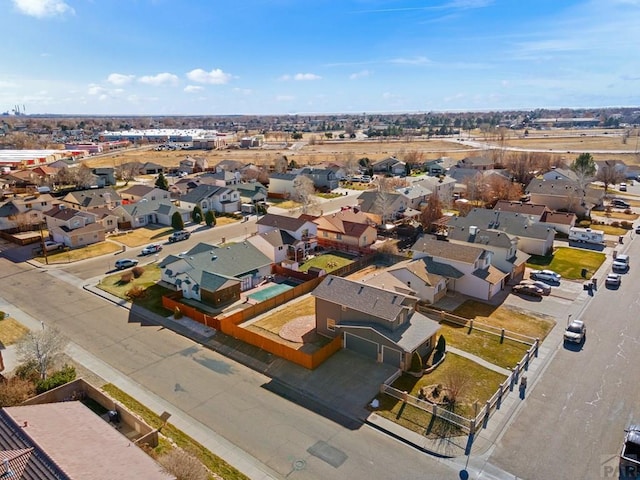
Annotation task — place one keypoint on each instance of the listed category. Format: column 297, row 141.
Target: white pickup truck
column 630, row 455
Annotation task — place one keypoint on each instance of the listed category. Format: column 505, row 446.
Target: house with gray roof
column 380, row 324
column 282, row 184
column 93, row 198
column 506, row 256
column 565, row 195
column 477, row 163
column 74, row 228
column 560, row 174
column 443, row 186
column 534, row 237
column 390, row 165
column 211, row 197
column 222, row 178
column 278, row 245
column 25, row 212
column 215, row 275
column 252, row 192
column 382, row 207
column 322, row 178
column 149, row 212
column 135, row 193
column 302, row 229
column 416, row 195
column 479, row 278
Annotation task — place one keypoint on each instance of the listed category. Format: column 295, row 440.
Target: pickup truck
column 49, row 246
column 630, row 455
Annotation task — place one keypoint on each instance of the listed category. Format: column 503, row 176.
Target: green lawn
column 569, row 262
column 214, row 463
column 329, row 262
column 152, row 300
column 480, row 384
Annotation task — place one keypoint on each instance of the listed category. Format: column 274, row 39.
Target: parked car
column 620, row 267
column 616, row 202
column 545, row 287
column 638, row 229
column 530, row 290
column 622, row 258
column 623, row 187
column 151, row 249
column 548, row 276
column 125, row 263
column 179, row 235
column 51, row 246
column 576, row 332
column 613, row 280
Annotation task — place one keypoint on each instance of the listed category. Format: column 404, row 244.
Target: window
column 325, row 234
column 339, row 236
column 280, row 247
column 331, row 324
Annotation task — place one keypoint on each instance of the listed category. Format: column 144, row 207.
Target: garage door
column 391, row 356
column 362, row 346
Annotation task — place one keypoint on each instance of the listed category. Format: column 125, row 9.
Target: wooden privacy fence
column 472, row 324
column 470, row 425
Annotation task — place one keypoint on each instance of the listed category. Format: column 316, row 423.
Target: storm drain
column 327, row 453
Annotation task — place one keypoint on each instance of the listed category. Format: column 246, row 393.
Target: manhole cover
column 299, row 465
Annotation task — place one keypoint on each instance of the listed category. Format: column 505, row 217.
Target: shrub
column 3, row 315
column 15, row 390
column 210, row 218
column 126, row 277
column 416, row 362
column 628, row 211
column 442, row 344
column 626, row 225
column 615, row 223
column 62, row 376
column 137, row 271
column 584, row 223
column 136, row 292
column 183, row 465
column 28, row 371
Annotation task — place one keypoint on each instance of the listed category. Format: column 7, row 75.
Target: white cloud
column 361, row 74
column 411, row 61
column 214, row 77
column 159, row 80
column 285, row 98
column 43, row 8
column 306, row 76
column 120, row 79
column 96, row 89
column 285, row 77
column 193, row 88
column 243, row 91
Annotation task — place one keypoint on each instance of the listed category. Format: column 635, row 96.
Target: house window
column 331, row 324
column 339, row 236
column 280, row 247
column 325, row 234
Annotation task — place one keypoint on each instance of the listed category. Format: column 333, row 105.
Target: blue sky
column 203, row 57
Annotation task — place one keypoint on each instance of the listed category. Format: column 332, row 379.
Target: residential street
column 221, row 394
column 572, row 422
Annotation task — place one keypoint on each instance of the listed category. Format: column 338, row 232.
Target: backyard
column 477, row 384
column 328, row 262
column 153, row 293
column 569, row 262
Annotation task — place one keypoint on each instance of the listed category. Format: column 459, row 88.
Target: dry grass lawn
column 90, row 251
column 11, row 331
column 509, row 318
column 276, row 319
column 142, row 236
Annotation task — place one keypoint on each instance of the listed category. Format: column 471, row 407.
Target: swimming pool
column 269, row 292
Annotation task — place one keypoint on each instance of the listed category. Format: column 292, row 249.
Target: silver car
column 545, row 287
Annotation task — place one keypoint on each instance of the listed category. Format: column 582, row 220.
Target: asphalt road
column 223, row 395
column 572, row 423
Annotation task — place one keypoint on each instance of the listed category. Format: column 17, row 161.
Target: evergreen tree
column 210, row 218
column 176, row 221
column 196, row 214
column 162, row 182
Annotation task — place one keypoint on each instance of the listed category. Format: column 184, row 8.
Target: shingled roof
column 448, row 250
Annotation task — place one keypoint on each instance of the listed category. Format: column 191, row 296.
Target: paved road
column 571, row 425
column 219, row 393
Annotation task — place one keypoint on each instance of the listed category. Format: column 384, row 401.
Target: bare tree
column 183, row 465
column 304, row 191
column 609, row 175
column 84, row 177
column 351, row 165
column 475, row 184
column 456, row 383
column 501, row 188
column 413, row 158
column 384, row 201
column 41, row 347
column 127, row 172
column 431, row 212
column 280, row 164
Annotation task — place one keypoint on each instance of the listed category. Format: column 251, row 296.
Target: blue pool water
column 269, row 292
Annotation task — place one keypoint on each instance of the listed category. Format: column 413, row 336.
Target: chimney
column 473, row 230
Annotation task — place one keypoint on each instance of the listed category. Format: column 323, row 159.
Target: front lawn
column 73, row 255
column 152, row 298
column 328, row 262
column 11, row 331
column 143, row 235
column 479, row 384
column 569, row 262
column 509, row 318
column 484, row 345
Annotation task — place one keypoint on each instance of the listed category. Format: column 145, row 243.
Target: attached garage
column 391, row 356
column 361, row 345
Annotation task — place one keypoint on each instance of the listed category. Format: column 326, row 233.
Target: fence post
column 526, row 359
column 470, row 325
column 500, row 393
column 513, row 378
column 486, row 414
column 502, row 335
column 536, row 347
column 472, row 426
